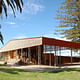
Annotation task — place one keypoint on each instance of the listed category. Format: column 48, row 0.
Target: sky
column 38, row 18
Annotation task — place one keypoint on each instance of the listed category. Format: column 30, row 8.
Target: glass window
column 48, row 49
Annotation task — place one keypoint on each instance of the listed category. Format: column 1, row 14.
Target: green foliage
column 69, row 18
column 1, row 37
column 13, row 4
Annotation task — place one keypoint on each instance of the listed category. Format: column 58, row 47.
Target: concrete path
column 41, row 68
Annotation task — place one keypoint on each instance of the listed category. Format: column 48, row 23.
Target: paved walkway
column 40, row 68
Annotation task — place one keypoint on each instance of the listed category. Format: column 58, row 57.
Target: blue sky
column 37, row 19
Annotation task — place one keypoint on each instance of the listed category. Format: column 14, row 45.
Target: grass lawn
column 7, row 73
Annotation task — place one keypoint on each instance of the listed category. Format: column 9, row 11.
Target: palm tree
column 13, row 4
column 1, row 37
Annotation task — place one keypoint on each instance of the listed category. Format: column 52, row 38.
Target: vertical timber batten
column 45, row 55
column 55, row 57
column 60, row 56
column 50, row 57
column 39, row 55
column 29, row 52
column 9, row 55
column 17, row 54
column 22, row 54
column 71, row 56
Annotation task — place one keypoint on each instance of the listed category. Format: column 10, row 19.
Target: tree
column 69, row 18
column 13, row 4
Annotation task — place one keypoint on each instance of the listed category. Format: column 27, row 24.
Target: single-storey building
column 39, row 50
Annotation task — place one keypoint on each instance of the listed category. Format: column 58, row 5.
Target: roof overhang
column 21, row 43
column 35, row 41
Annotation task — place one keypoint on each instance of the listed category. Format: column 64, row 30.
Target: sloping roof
column 61, row 43
column 35, row 41
column 21, row 43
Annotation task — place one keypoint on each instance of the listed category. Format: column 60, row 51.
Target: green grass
column 7, row 73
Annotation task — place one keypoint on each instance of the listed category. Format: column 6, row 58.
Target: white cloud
column 56, row 37
column 49, row 35
column 20, row 36
column 32, row 7
column 62, row 38
column 10, row 22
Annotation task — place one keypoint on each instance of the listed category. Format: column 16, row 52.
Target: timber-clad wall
column 64, row 59
column 45, row 59
column 10, row 56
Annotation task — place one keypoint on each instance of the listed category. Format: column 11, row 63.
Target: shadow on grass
column 11, row 70
column 2, row 64
column 63, row 70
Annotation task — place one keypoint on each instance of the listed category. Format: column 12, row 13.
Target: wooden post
column 50, row 57
column 39, row 55
column 45, row 54
column 71, row 56
column 29, row 53
column 26, row 53
column 60, row 56
column 45, row 59
column 55, row 57
column 17, row 54
column 22, row 54
column 4, row 56
column 9, row 55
